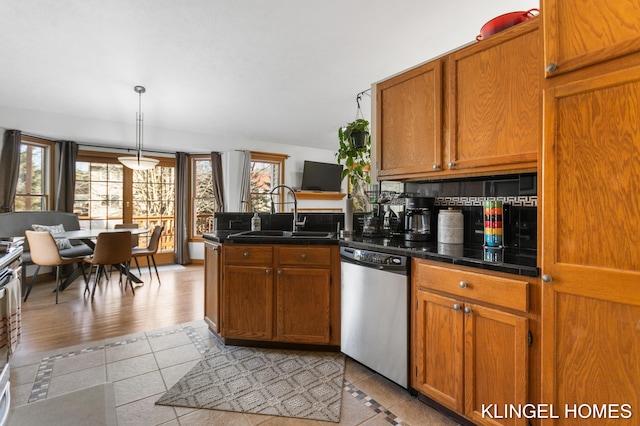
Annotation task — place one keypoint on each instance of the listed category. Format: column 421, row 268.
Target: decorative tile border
column 43, row 376
column 373, row 404
column 477, row 201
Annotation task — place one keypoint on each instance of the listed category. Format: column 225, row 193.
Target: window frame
column 49, row 174
column 270, row 157
column 192, row 195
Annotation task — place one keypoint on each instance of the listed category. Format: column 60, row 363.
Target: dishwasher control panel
column 373, row 258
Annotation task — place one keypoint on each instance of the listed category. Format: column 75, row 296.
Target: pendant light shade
column 138, row 162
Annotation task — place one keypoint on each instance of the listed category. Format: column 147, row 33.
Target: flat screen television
column 321, row 176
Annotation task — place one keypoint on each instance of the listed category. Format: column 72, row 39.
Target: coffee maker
column 418, row 217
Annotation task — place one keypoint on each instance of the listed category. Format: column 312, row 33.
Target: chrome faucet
column 296, row 224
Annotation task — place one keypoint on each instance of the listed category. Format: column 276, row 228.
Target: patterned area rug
column 275, row 382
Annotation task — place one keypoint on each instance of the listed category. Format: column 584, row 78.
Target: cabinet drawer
column 509, row 293
column 248, row 255
column 317, row 256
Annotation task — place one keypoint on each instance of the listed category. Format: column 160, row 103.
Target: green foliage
column 353, row 158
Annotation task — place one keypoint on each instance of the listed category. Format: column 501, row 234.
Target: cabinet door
column 303, row 305
column 590, row 229
column 496, row 363
column 248, row 302
column 495, row 106
column 212, row 286
column 409, row 122
column 578, row 33
column 439, row 349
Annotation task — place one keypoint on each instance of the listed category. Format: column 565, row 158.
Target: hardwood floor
column 114, row 312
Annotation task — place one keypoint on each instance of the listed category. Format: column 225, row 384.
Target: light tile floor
column 144, row 366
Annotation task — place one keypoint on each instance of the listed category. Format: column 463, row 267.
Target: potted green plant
column 355, row 151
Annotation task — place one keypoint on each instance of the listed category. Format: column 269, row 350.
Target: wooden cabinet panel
column 248, row 302
column 409, row 122
column 304, row 305
column 212, row 285
column 507, row 292
column 578, row 33
column 496, row 363
column 248, row 254
column 306, row 255
column 590, row 262
column 495, row 101
column 439, row 349
column 466, row 355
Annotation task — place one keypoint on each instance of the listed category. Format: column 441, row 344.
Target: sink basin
column 282, row 234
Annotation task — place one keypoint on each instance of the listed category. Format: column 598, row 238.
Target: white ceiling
column 282, row 71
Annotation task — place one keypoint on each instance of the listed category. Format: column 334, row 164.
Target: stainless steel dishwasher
column 375, row 321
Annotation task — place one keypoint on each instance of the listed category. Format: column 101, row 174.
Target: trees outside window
column 34, row 189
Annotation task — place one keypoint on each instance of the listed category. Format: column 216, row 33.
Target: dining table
column 88, row 236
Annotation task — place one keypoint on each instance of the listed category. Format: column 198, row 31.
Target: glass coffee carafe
column 418, row 218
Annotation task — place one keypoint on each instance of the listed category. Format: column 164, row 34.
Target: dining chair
column 150, row 251
column 135, row 238
column 44, row 252
column 112, row 248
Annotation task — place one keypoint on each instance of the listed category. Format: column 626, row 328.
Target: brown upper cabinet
column 476, row 110
column 495, row 102
column 580, row 33
column 409, row 122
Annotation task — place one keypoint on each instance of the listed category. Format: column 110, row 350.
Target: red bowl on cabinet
column 505, row 21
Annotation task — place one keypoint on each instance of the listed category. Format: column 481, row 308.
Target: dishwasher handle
column 375, row 260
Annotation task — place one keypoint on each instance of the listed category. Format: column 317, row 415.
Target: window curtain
column 216, row 170
column 236, row 168
column 181, row 236
column 245, row 182
column 68, row 154
column 9, row 169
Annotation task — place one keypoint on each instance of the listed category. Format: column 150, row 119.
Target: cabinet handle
column 268, row 271
column 303, row 255
column 456, row 307
column 246, row 254
column 551, row 67
column 463, row 284
column 467, row 310
column 436, row 167
column 451, row 164
column 547, row 278
column 279, row 271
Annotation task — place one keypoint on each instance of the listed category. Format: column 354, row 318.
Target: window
column 267, row 172
column 34, row 188
column 108, row 193
column 203, row 203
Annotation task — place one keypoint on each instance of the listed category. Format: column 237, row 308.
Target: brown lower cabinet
column 471, row 345
column 279, row 293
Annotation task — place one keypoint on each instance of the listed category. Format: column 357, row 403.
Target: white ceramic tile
column 77, row 380
column 145, row 412
column 172, row 374
column 131, row 367
column 177, row 355
column 169, row 341
column 138, row 387
column 72, row 363
column 129, row 350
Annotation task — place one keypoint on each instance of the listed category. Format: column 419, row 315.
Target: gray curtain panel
column 216, row 170
column 181, row 237
column 68, row 153
column 9, row 169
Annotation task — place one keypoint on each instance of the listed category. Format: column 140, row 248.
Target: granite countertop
column 508, row 259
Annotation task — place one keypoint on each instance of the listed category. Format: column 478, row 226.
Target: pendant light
column 138, row 162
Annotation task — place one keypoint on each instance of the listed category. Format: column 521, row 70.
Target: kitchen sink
column 282, row 234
